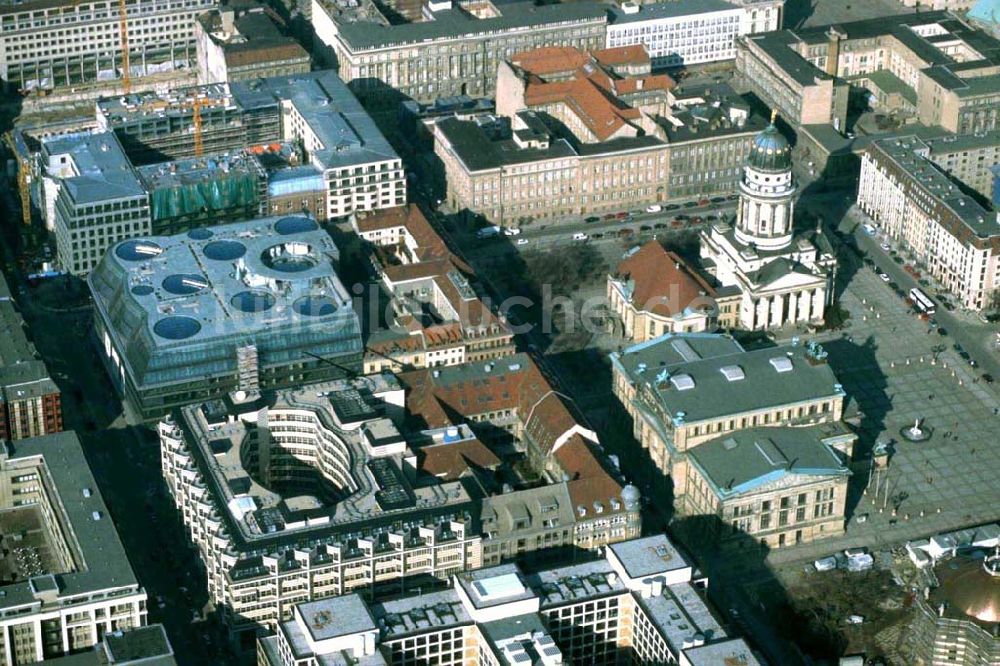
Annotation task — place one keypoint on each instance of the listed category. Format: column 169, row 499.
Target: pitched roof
column 662, row 282
column 589, row 481
column 450, row 461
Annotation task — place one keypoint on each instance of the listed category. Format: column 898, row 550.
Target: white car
column 654, row 208
column 511, row 231
column 884, row 277
column 885, row 246
column 522, row 241
column 580, row 237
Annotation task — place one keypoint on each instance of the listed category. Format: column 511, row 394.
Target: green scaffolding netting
column 221, row 193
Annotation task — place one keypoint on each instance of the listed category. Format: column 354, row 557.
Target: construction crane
column 23, row 179
column 123, row 29
column 196, row 119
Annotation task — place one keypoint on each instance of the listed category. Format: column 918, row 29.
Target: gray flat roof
column 431, row 611
column 902, row 150
column 104, row 564
column 455, row 23
column 662, row 363
column 674, row 9
column 733, row 652
column 746, row 459
column 679, row 613
column 572, row 584
column 649, row 556
column 148, row 645
column 22, row 373
column 336, row 616
column 102, row 171
column 348, row 134
column 494, row 586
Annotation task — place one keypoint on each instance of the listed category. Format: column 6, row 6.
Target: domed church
column 783, row 277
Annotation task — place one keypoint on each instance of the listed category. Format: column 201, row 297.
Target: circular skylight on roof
column 137, row 249
column 176, row 328
column 183, row 284
column 295, row 225
column 142, row 290
column 225, row 250
column 252, row 301
column 315, row 306
column 290, row 257
column 200, row 234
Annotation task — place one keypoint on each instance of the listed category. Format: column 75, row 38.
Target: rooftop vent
column 781, row 364
column 733, row 373
column 682, row 382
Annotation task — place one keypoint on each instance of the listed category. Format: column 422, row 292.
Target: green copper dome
column 770, row 151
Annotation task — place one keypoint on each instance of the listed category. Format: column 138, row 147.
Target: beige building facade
column 915, row 203
column 680, row 392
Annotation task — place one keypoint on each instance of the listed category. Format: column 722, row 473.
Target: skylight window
column 682, row 382
column 781, row 364
column 733, row 373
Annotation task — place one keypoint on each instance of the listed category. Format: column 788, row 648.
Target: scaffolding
column 23, row 178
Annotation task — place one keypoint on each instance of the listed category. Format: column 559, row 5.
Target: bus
column 922, row 302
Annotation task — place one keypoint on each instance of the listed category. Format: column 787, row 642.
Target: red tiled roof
column 550, row 60
column 664, row 284
column 451, row 461
column 622, row 55
column 588, row 482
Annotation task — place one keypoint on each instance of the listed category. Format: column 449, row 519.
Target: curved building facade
column 239, row 307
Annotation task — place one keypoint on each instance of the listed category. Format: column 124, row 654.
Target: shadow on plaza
column 855, row 364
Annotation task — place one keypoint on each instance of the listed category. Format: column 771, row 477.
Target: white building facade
column 689, row 32
column 49, row 44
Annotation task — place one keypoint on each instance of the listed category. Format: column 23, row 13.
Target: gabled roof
column 661, row 282
column 450, row 461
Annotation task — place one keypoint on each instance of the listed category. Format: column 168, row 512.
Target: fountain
column 918, row 432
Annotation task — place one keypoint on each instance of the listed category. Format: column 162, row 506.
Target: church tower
column 764, row 215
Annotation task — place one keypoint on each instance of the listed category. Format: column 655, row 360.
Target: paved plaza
column 898, row 372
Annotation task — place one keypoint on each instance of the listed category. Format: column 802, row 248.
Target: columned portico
column 783, row 275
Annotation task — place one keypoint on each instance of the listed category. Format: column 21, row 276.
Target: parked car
column 671, row 207
column 885, row 246
column 691, row 204
column 869, row 229
column 622, row 215
column 645, row 227
column 884, row 277
column 580, row 236
column 522, row 241
column 659, row 225
column 591, row 219
column 987, row 377
column 718, row 199
column 655, row 208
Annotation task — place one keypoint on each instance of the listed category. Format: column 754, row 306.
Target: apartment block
column 579, row 133
column 246, row 42
column 360, row 170
column 689, row 32
column 968, row 158
column 950, row 69
column 643, row 602
column 74, row 586
column 93, row 196
column 567, row 492
column 439, row 315
column 45, row 45
column 916, row 203
column 454, row 51
column 741, row 434
column 30, row 401
column 308, row 494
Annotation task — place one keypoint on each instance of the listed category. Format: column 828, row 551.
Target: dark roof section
column 102, row 563
column 743, row 460
column 454, row 23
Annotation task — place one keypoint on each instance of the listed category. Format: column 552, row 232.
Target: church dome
column 770, row 151
column 971, row 588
